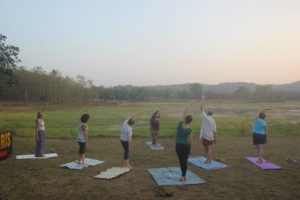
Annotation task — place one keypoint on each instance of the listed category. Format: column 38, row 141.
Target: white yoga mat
column 87, row 162
column 32, row 156
column 112, row 172
column 155, row 146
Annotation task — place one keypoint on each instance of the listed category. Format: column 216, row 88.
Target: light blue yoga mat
column 171, row 176
column 156, row 146
column 199, row 162
column 88, row 162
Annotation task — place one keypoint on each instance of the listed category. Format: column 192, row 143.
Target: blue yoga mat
column 199, row 162
column 155, row 147
column 171, row 176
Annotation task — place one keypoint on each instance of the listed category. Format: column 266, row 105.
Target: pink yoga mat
column 266, row 165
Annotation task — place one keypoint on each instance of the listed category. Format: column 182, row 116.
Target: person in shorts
column 82, row 136
column 259, row 131
column 208, row 131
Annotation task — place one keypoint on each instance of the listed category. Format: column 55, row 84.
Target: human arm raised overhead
column 133, row 115
column 202, row 103
column 186, row 110
column 45, row 106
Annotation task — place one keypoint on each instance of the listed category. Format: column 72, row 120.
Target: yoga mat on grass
column 171, row 176
column 112, row 172
column 199, row 161
column 155, row 146
column 32, row 156
column 265, row 165
column 88, row 162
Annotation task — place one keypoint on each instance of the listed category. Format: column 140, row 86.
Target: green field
column 44, row 179
column 105, row 120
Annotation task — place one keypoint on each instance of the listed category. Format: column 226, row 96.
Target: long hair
column 39, row 115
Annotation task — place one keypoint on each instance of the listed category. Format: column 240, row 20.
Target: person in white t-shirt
column 126, row 138
column 208, row 131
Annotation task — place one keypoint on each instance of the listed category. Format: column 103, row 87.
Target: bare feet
column 128, row 166
column 259, row 160
column 207, row 162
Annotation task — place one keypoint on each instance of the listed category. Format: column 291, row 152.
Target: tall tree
column 8, row 60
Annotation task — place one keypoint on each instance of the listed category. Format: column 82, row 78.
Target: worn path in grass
column 44, row 179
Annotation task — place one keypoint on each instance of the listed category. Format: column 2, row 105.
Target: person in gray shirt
column 126, row 138
column 82, row 136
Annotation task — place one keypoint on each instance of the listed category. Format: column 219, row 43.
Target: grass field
column 105, row 120
column 43, row 179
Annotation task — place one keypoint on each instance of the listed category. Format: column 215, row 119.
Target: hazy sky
column 149, row 42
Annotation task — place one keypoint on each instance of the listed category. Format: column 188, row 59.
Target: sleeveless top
column 80, row 134
column 41, row 126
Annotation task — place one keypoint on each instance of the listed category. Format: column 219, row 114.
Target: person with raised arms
column 184, row 139
column 154, row 126
column 259, row 131
column 40, row 132
column 126, row 138
column 208, row 131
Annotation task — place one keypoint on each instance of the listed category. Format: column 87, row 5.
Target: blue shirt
column 259, row 126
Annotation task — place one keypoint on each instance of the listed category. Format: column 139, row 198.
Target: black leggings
column 183, row 151
column 126, row 149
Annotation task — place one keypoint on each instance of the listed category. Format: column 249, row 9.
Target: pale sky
column 150, row 42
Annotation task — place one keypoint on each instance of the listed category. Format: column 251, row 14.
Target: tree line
column 18, row 83
column 38, row 85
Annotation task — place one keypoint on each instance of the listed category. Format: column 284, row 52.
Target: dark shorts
column 81, row 147
column 207, row 143
column 259, row 139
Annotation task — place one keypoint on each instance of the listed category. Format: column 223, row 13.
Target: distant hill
column 227, row 88
column 295, row 86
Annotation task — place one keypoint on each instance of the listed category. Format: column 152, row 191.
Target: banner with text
column 5, row 144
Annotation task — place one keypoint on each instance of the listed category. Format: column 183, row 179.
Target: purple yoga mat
column 266, row 165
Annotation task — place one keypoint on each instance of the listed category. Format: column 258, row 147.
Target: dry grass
column 43, row 179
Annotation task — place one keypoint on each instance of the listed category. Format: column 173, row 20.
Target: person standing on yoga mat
column 259, row 131
column 184, row 141
column 82, row 136
column 40, row 132
column 154, row 126
column 208, row 131
column 126, row 138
